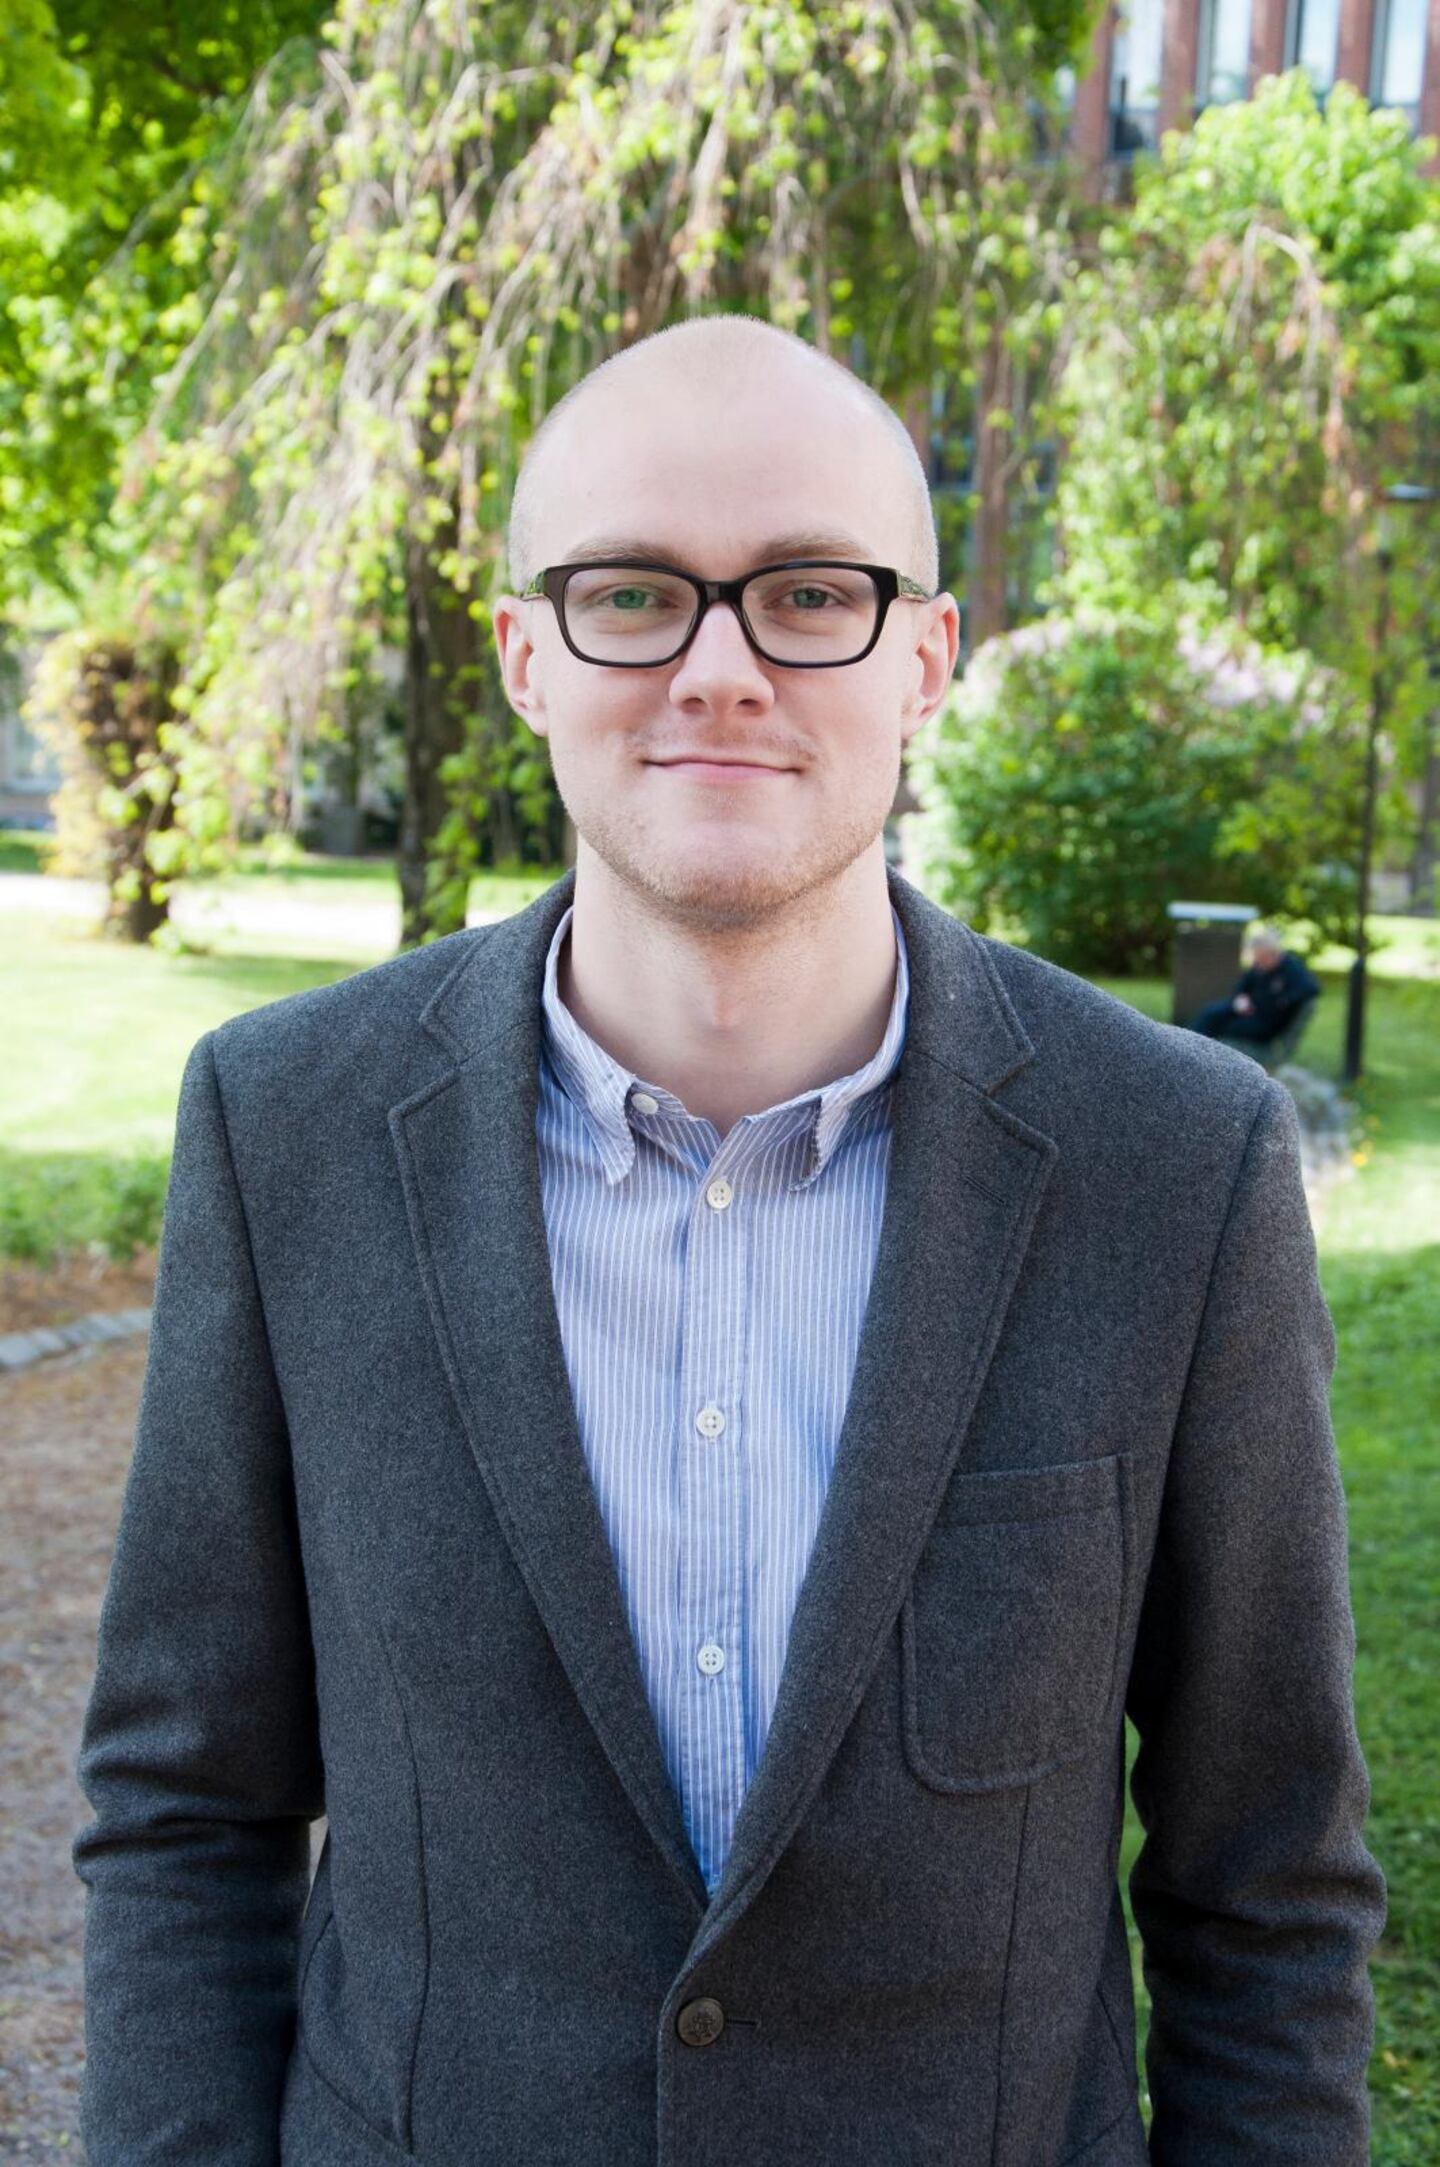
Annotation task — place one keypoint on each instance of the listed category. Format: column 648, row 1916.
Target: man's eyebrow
column 805, row 544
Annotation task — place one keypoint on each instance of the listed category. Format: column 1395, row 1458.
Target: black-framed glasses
column 609, row 616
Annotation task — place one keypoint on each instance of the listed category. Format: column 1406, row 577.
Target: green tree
column 495, row 198
column 112, row 122
column 1256, row 360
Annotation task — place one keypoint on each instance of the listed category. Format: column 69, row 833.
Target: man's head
column 709, row 444
column 1266, row 948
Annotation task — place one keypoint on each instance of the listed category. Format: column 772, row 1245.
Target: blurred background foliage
column 283, row 296
column 285, row 289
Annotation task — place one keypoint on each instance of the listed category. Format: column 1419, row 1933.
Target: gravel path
column 66, row 1430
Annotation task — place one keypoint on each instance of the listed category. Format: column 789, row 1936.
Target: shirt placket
column 713, row 1476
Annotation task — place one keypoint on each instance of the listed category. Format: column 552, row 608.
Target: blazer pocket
column 1010, row 1629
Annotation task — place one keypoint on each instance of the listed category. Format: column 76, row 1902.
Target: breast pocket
column 1010, row 1631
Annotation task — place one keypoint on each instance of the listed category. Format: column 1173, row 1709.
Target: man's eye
column 631, row 598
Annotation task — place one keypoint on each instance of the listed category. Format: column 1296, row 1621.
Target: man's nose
column 722, row 619
column 719, row 641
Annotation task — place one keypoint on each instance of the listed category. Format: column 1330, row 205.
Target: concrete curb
column 19, row 1349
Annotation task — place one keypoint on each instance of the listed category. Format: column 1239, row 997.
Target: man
column 682, row 1421
column 1264, row 997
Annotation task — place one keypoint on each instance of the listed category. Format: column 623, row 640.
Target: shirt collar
column 604, row 1089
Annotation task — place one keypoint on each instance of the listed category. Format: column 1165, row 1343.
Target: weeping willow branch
column 466, row 206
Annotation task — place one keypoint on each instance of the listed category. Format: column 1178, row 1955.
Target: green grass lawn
column 1380, row 1266
column 1379, row 1245
column 85, row 1131
column 22, row 850
column 329, row 888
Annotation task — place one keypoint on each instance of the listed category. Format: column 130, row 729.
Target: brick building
column 1156, row 63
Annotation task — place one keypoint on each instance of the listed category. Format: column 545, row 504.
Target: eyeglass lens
column 617, row 614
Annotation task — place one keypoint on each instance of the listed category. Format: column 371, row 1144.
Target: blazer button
column 700, row 2021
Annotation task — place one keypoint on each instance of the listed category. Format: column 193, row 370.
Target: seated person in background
column 1265, row 997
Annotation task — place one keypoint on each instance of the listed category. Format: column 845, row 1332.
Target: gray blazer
column 1086, row 1469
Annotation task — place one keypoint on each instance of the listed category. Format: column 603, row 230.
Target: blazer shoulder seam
column 208, row 1042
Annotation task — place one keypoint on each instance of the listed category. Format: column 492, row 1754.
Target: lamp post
column 1398, row 493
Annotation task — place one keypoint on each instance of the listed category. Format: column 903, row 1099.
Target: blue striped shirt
column 710, row 1294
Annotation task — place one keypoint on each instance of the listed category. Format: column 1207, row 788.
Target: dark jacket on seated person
column 1277, row 992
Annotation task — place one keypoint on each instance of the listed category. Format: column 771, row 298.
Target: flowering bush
column 1089, row 769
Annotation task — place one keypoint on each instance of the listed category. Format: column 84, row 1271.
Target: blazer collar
column 958, row 1012
column 603, row 1086
column 965, row 1183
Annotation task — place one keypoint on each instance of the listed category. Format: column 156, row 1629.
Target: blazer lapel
column 965, row 1183
column 470, row 1168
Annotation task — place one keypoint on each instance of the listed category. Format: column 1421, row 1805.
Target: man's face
column 712, row 483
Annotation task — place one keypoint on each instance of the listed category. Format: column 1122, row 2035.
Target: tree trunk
column 988, row 611
column 119, row 703
column 440, row 651
column 137, row 920
column 1426, row 861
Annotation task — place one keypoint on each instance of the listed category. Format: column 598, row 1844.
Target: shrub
column 103, row 703
column 1088, row 770
column 52, row 1204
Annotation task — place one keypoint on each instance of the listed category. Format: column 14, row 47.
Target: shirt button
column 711, row 1658
column 710, row 1421
column 719, row 1193
column 699, row 2022
column 644, row 1104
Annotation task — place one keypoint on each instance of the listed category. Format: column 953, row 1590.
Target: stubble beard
column 715, row 896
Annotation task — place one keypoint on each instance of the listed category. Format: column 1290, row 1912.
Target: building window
column 1223, row 69
column 1051, row 118
column 1398, row 62
column 1314, row 43
column 1135, row 77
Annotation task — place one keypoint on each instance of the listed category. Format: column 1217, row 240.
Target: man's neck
column 734, row 1025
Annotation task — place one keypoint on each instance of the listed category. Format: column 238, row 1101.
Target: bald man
column 684, row 1421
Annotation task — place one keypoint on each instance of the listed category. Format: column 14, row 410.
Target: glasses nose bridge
column 713, row 591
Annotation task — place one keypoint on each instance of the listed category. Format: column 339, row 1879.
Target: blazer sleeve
column 1256, row 1899
column 199, row 1752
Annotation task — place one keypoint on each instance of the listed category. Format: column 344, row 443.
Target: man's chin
column 737, row 893
column 735, row 898
column 713, row 882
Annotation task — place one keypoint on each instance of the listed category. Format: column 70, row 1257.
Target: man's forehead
column 785, row 427
column 718, row 473
column 816, row 541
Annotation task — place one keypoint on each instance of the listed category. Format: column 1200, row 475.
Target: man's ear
column 516, row 652
column 932, row 666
